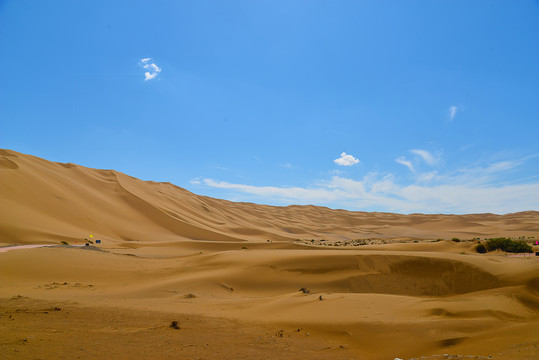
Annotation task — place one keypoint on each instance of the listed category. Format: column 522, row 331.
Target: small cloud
column 502, row 166
column 452, row 112
column 406, row 163
column 153, row 69
column 195, row 181
column 426, row 177
column 346, row 160
column 425, row 155
column 149, row 76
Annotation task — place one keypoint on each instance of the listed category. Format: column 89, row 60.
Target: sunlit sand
column 373, row 285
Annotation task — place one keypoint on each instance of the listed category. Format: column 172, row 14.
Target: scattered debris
column 56, row 308
column 449, row 356
column 174, row 325
column 227, row 287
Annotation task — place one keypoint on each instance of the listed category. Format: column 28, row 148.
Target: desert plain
column 181, row 276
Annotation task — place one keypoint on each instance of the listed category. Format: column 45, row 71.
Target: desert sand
column 373, row 285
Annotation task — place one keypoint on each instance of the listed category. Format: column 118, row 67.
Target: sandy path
column 21, row 247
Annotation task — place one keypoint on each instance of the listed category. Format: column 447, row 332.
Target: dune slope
column 46, row 202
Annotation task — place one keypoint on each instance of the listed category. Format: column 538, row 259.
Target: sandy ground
column 373, row 285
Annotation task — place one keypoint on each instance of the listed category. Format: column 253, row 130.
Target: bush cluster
column 504, row 244
column 481, row 248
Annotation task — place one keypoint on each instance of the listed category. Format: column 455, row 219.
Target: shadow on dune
column 343, row 273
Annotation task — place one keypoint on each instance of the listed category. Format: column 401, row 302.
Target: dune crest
column 48, row 202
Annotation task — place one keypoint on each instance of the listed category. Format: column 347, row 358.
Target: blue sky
column 401, row 106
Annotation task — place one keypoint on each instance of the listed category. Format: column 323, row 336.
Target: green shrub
column 497, row 243
column 64, row 242
column 481, row 248
column 455, row 239
column 504, row 244
column 519, row 246
column 508, row 245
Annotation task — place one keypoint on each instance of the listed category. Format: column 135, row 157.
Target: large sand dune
column 374, row 285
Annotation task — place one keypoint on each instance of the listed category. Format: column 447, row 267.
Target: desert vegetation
column 504, row 244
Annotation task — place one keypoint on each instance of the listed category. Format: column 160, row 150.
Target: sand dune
column 45, row 202
column 231, row 274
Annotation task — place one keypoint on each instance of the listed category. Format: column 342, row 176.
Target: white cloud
column 425, row 155
column 480, row 175
column 426, row 177
column 149, row 76
column 401, row 160
column 502, row 166
column 346, row 160
column 452, row 112
column 386, row 195
column 153, row 69
column 294, row 194
column 462, row 191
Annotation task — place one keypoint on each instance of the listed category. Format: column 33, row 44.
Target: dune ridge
column 45, row 201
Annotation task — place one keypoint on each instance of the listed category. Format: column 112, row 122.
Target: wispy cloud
column 346, row 160
column 301, row 195
column 425, row 155
column 401, row 160
column 152, row 69
column 458, row 192
column 452, row 112
column 503, row 166
column 426, row 177
column 481, row 175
